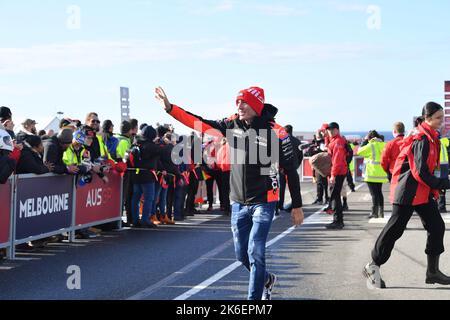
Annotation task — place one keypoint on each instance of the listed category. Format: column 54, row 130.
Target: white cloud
column 99, row 54
column 280, row 10
column 208, row 8
column 348, row 6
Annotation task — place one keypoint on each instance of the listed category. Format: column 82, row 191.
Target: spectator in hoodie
column 54, row 148
column 31, row 159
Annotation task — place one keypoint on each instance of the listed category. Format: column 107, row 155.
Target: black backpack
column 349, row 153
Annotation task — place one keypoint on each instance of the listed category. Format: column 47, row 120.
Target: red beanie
column 254, row 97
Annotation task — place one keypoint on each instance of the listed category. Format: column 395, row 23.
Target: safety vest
column 352, row 164
column 372, row 154
column 103, row 149
column 70, row 157
column 445, row 142
column 123, row 146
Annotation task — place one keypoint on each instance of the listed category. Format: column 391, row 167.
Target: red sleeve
column 15, row 155
column 385, row 157
column 214, row 128
column 339, row 161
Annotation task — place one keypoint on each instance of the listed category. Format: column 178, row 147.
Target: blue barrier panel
column 43, row 204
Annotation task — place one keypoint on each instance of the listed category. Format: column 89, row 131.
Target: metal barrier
column 42, row 206
column 5, row 213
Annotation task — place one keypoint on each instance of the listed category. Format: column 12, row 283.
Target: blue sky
column 318, row 60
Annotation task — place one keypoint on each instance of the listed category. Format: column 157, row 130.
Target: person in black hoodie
column 54, row 149
column 254, row 184
column 144, row 160
column 31, row 159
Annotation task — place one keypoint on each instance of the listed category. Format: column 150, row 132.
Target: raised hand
column 161, row 96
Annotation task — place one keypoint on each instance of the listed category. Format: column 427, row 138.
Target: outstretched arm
column 211, row 127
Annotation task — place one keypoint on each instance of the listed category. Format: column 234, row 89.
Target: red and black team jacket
column 413, row 180
column 253, row 179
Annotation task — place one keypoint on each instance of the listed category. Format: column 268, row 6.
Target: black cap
column 5, row 113
column 333, row 125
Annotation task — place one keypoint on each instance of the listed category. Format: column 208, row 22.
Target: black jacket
column 148, row 162
column 53, row 153
column 298, row 152
column 253, row 178
column 31, row 162
column 7, row 166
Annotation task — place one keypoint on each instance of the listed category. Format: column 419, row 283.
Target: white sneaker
column 267, row 293
column 373, row 275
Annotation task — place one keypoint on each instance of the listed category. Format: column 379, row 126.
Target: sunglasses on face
column 95, row 121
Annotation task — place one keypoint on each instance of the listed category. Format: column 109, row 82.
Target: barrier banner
column 5, row 211
column 44, row 204
column 98, row 201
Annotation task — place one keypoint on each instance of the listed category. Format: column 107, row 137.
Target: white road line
column 224, row 272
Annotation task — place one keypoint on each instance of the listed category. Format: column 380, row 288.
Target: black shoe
column 434, row 275
column 443, row 210
column 345, row 207
column 317, row 202
column 178, row 219
column 335, row 226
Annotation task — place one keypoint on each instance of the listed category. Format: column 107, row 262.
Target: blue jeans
column 250, row 226
column 148, row 190
column 160, row 193
column 178, row 202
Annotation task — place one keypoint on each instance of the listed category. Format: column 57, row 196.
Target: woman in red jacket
column 415, row 187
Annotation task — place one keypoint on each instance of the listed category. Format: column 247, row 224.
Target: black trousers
column 401, row 214
column 336, row 198
column 350, row 181
column 127, row 195
column 217, row 177
column 442, row 202
column 376, row 191
column 225, row 194
column 191, row 192
column 322, row 188
column 282, row 191
column 170, row 197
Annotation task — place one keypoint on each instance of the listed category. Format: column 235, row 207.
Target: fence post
column 74, row 210
column 11, row 252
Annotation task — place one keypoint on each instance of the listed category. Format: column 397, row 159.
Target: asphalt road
column 196, row 261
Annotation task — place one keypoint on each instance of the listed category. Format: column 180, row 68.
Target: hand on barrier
column 50, row 166
column 161, row 96
column 73, row 169
column 297, row 216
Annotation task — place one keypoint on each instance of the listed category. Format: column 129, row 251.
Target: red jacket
column 223, row 158
column 413, row 179
column 391, row 153
column 338, row 152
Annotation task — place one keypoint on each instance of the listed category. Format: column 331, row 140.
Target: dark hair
column 107, row 124
column 289, row 129
column 42, row 133
column 431, row 108
column 134, row 123
column 161, row 130
column 373, row 134
column 418, row 121
column 142, row 126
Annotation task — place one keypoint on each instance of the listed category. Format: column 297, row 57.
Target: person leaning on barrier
column 31, row 159
column 54, row 148
column 415, row 188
